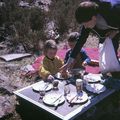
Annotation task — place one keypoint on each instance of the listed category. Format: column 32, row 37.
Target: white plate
column 59, row 76
column 95, row 88
column 74, row 98
column 76, row 70
column 42, row 85
column 92, row 78
column 53, row 99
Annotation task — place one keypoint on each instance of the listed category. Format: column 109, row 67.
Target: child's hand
column 84, row 63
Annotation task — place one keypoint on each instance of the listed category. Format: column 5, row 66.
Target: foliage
column 24, row 25
column 62, row 11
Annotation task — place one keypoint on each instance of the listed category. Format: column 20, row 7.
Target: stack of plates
column 95, row 88
column 92, row 78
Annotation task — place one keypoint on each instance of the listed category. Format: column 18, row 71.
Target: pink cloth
column 92, row 53
column 37, row 63
column 61, row 53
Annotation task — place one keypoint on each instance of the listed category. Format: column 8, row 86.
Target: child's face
column 51, row 53
column 71, row 44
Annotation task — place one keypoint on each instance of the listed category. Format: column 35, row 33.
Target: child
column 51, row 63
column 82, row 58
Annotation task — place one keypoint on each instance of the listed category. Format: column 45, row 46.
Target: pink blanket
column 92, row 53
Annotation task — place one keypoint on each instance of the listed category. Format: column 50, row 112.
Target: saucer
column 52, row 99
column 42, row 86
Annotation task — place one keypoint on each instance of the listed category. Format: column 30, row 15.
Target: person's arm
column 67, row 55
column 81, row 41
column 85, row 58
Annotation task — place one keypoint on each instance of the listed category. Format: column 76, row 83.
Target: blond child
column 51, row 62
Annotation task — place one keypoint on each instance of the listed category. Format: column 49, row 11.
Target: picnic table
column 64, row 111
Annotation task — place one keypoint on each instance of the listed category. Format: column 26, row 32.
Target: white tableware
column 60, row 77
column 73, row 97
column 96, row 88
column 92, row 78
column 53, row 99
column 79, row 85
column 66, row 90
column 55, row 84
column 42, row 86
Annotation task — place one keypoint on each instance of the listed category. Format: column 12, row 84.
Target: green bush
column 62, row 11
column 27, row 24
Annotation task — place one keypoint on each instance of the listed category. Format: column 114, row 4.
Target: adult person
column 103, row 20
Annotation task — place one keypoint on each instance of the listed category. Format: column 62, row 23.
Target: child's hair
column 73, row 37
column 49, row 44
column 85, row 11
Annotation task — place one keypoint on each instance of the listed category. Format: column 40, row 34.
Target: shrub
column 27, row 25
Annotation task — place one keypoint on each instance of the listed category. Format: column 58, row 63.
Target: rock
column 1, row 113
column 3, row 78
column 6, row 106
column 10, row 66
column 1, row 99
column 19, row 49
column 2, row 46
column 22, row 3
column 43, row 4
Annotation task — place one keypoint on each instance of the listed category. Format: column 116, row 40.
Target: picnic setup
column 67, row 98
column 60, row 60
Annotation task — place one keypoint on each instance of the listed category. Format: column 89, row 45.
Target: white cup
column 79, row 85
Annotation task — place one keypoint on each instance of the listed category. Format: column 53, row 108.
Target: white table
column 64, row 111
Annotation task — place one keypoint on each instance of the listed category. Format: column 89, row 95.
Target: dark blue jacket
column 84, row 56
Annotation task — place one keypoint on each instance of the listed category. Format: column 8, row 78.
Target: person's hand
column 64, row 67
column 64, row 74
column 50, row 78
column 112, row 33
column 84, row 63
